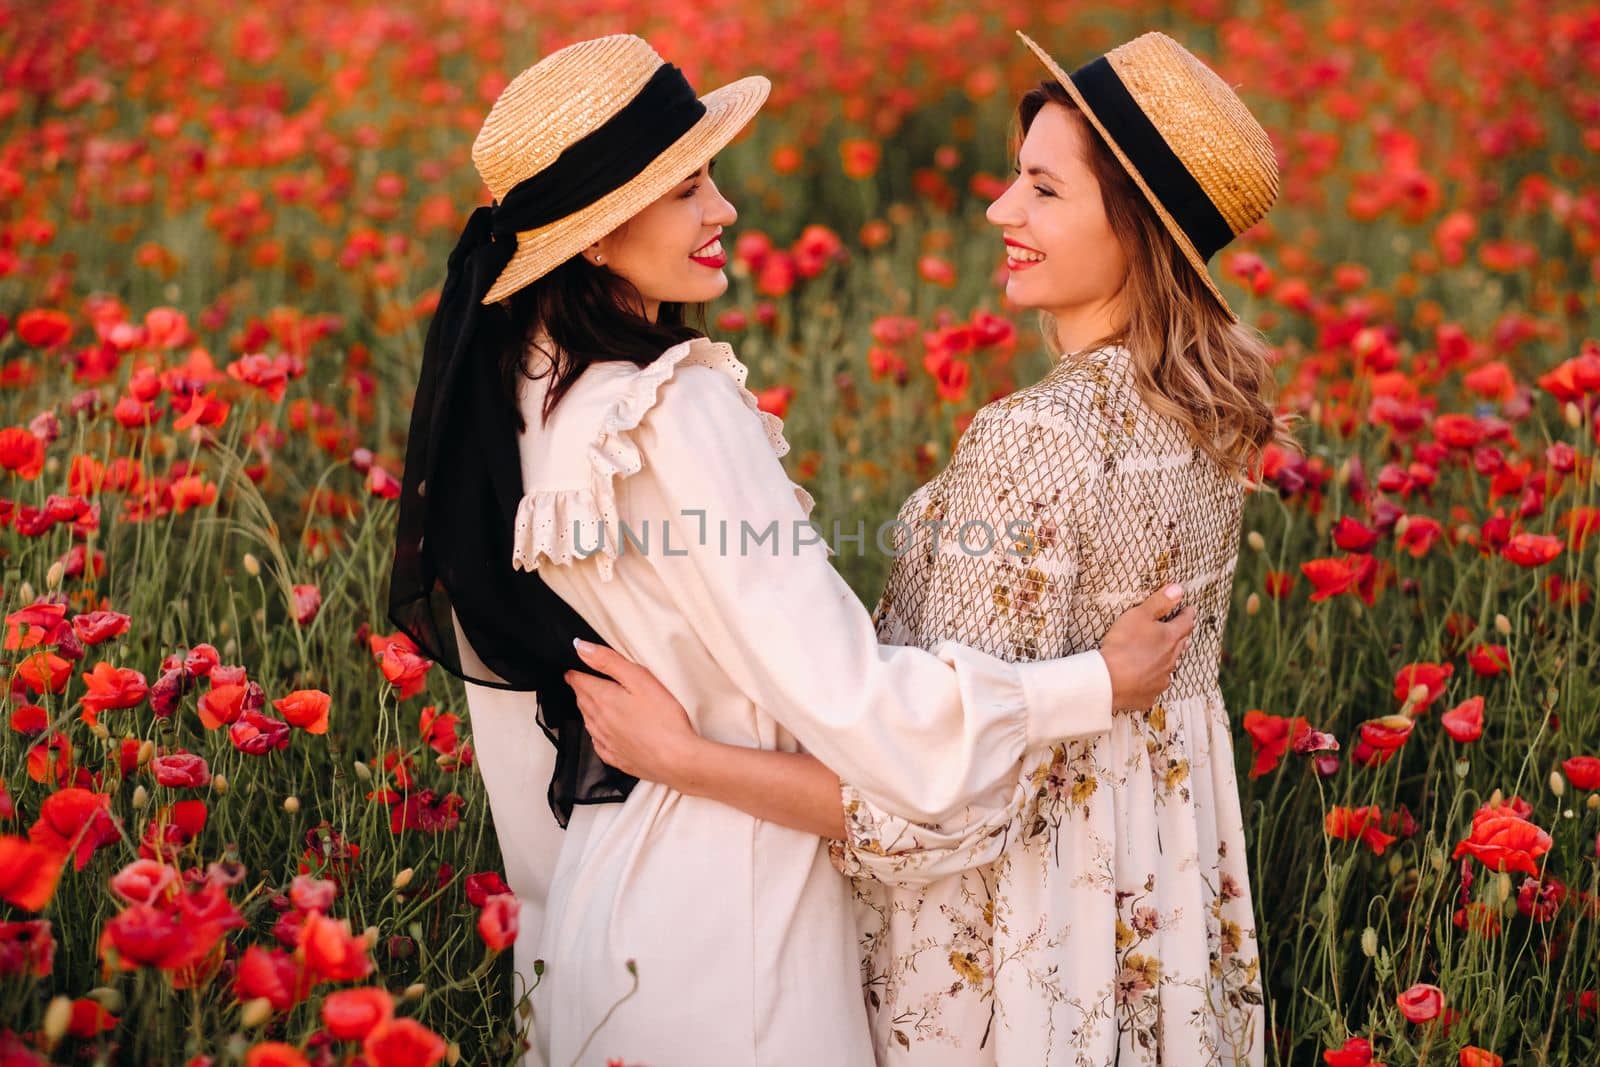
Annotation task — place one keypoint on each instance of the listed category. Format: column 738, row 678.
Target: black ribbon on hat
column 1166, row 175
column 463, row 475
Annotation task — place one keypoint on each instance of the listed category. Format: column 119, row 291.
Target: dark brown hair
column 1191, row 361
column 585, row 314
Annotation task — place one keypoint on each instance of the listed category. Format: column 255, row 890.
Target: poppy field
column 240, row 819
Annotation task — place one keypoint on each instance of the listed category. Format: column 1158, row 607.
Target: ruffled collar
column 557, row 524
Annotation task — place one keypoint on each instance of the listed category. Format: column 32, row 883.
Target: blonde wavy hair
column 1191, row 362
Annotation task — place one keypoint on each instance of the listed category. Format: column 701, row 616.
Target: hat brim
column 728, row 110
column 1185, row 245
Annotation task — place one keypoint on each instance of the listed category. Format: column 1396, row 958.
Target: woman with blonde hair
column 583, row 463
column 1096, row 909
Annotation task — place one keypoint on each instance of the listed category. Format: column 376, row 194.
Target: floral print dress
column 1097, row 909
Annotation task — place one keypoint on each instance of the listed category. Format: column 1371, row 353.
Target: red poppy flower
column 1457, row 431
column 75, row 821
column 400, row 663
column 274, row 1054
column 1432, row 676
column 420, row 811
column 27, row 948
column 56, row 769
column 145, row 935
column 113, row 688
column 256, row 734
column 202, row 660
column 145, row 881
column 1492, row 381
column 1581, row 524
column 89, row 1020
column 263, row 372
column 1421, row 1003
column 1473, row 1056
column 351, row 1014
column 273, row 974
column 859, row 158
column 29, row 719
column 1355, row 1052
column 192, row 491
column 174, row 826
column 312, row 894
column 307, row 602
column 44, row 672
column 22, row 452
column 1503, row 841
column 1531, row 550
column 331, row 952
column 1582, row 771
column 1464, row 722
column 1331, row 577
column 404, row 1043
column 1363, row 824
column 1487, row 661
column 1540, row 900
column 1278, row 584
column 1271, row 736
column 1388, row 733
column 96, row 626
column 439, row 730
column 305, row 708
column 1573, row 378
column 181, row 770
column 222, row 705
column 480, row 887
column 1349, row 535
column 381, row 483
column 1418, row 533
column 44, row 327
column 37, row 624
column 221, row 674
column 132, row 413
column 28, row 872
column 498, row 921
column 775, row 400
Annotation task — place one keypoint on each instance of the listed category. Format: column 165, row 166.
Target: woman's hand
column 637, row 726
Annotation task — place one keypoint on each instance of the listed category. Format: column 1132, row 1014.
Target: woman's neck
column 1078, row 328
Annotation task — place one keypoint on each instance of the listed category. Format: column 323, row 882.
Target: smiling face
column 672, row 250
column 1062, row 254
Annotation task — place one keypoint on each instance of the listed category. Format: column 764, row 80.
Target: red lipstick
column 1014, row 264
column 715, row 262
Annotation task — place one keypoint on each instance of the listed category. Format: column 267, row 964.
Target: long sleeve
column 516, row 760
column 1024, row 457
column 917, row 731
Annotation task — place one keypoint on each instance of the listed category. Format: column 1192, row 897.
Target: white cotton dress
column 1096, row 911
column 743, row 935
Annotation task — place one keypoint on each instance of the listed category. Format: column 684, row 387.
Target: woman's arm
column 640, row 728
column 919, row 731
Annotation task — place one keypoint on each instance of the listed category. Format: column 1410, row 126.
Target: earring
column 597, row 258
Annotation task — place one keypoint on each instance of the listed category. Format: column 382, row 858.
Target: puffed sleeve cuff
column 1066, row 698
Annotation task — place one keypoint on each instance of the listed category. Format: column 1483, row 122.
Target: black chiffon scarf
column 463, row 479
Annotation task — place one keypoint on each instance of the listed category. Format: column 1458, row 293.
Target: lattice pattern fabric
column 1098, row 910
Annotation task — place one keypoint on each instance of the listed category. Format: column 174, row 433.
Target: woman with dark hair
column 582, row 464
column 1095, row 909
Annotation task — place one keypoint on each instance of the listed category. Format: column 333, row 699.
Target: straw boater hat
column 575, row 146
column 1184, row 137
column 572, row 96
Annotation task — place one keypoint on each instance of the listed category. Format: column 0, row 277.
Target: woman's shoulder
column 616, row 396
column 1068, row 402
column 699, row 380
column 617, row 419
